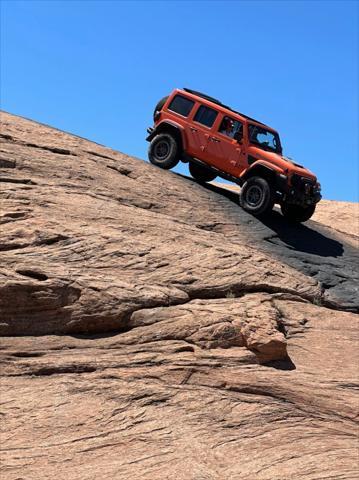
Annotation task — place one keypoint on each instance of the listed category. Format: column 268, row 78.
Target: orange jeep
column 216, row 140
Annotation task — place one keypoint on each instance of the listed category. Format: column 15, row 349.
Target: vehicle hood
column 284, row 163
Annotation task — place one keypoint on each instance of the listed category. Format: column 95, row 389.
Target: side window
column 232, row 128
column 181, row 105
column 205, row 115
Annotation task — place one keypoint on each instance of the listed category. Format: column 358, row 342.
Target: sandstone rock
column 153, row 329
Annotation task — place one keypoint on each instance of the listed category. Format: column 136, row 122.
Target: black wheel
column 256, row 196
column 296, row 213
column 201, row 173
column 163, row 151
column 159, row 107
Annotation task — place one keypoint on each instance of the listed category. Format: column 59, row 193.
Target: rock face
column 153, row 329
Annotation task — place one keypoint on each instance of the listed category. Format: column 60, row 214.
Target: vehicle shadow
column 299, row 237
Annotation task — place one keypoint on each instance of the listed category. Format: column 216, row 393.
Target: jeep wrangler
column 218, row 141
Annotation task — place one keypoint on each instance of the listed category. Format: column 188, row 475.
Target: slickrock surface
column 152, row 329
column 342, row 216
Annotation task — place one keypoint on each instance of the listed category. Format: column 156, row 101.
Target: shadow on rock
column 284, row 364
column 301, row 238
column 97, row 336
column 297, row 237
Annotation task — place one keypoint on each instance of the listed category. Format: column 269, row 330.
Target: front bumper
column 301, row 191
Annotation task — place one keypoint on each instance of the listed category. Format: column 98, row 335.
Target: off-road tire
column 296, row 213
column 201, row 173
column 159, row 107
column 163, row 151
column 257, row 196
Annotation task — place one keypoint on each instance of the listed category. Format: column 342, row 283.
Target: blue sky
column 97, row 69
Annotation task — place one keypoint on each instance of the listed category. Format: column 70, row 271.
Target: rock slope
column 153, row 329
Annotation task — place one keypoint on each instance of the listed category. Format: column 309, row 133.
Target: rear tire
column 163, row 151
column 201, row 173
column 257, row 196
column 296, row 213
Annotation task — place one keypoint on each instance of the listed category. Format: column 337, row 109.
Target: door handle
column 214, row 139
column 193, row 129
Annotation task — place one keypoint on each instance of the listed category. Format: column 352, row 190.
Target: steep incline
column 152, row 329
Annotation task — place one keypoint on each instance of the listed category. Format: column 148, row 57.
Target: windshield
column 264, row 138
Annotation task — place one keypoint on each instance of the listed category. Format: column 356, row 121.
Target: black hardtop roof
column 217, row 102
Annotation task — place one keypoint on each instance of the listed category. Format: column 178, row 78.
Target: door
column 225, row 146
column 199, row 131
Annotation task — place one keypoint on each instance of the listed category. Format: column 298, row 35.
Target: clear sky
column 97, row 69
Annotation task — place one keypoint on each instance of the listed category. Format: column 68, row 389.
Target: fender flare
column 261, row 166
column 162, row 126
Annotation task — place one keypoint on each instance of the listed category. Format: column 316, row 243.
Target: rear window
column 181, row 105
column 206, row 116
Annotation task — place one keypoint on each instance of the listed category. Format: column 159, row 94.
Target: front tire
column 257, row 196
column 201, row 173
column 163, row 151
column 296, row 213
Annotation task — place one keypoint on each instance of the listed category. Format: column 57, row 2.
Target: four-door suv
column 216, row 140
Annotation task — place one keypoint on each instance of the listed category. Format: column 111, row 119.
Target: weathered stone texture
column 152, row 329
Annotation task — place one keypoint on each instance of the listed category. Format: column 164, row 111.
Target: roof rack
column 203, row 95
column 217, row 102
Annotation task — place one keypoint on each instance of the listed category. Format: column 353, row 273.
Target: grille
column 302, row 183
